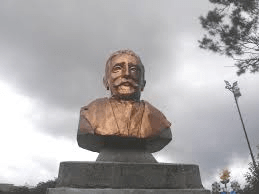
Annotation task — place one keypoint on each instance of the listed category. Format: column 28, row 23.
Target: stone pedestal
column 125, row 155
column 128, row 175
column 126, row 165
column 129, row 178
column 126, row 191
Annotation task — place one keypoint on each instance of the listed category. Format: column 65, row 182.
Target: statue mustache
column 122, row 81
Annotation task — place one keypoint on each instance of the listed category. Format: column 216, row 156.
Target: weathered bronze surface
column 128, row 119
column 123, row 114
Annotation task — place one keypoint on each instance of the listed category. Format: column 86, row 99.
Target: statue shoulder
column 155, row 114
column 151, row 108
column 91, row 115
column 97, row 103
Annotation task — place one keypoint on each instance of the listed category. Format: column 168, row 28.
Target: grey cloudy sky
column 52, row 57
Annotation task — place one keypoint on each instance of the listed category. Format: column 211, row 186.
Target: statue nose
column 126, row 71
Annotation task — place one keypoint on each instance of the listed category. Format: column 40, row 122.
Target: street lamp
column 236, row 91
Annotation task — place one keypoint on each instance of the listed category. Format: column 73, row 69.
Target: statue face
column 125, row 77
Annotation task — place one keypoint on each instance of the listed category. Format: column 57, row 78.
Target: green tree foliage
column 215, row 188
column 252, row 179
column 42, row 187
column 232, row 30
column 224, row 178
column 235, row 186
column 19, row 190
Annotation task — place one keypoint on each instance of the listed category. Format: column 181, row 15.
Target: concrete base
column 119, row 175
column 125, row 155
column 126, row 191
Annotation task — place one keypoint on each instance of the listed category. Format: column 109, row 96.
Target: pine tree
column 232, row 30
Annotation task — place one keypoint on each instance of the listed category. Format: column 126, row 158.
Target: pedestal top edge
column 121, row 163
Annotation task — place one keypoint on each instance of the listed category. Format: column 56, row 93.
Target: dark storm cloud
column 207, row 130
column 56, row 51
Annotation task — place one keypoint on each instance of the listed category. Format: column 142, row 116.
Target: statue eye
column 133, row 69
column 116, row 68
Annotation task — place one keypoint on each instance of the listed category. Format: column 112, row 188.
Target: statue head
column 124, row 75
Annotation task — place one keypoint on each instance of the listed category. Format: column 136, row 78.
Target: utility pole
column 236, row 92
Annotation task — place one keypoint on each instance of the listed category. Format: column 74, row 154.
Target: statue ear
column 105, row 83
column 143, row 85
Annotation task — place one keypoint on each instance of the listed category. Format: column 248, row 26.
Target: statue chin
column 126, row 92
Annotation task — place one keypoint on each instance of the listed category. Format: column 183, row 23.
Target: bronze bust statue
column 125, row 131
column 123, row 116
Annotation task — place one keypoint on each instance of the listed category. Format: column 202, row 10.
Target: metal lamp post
column 235, row 90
